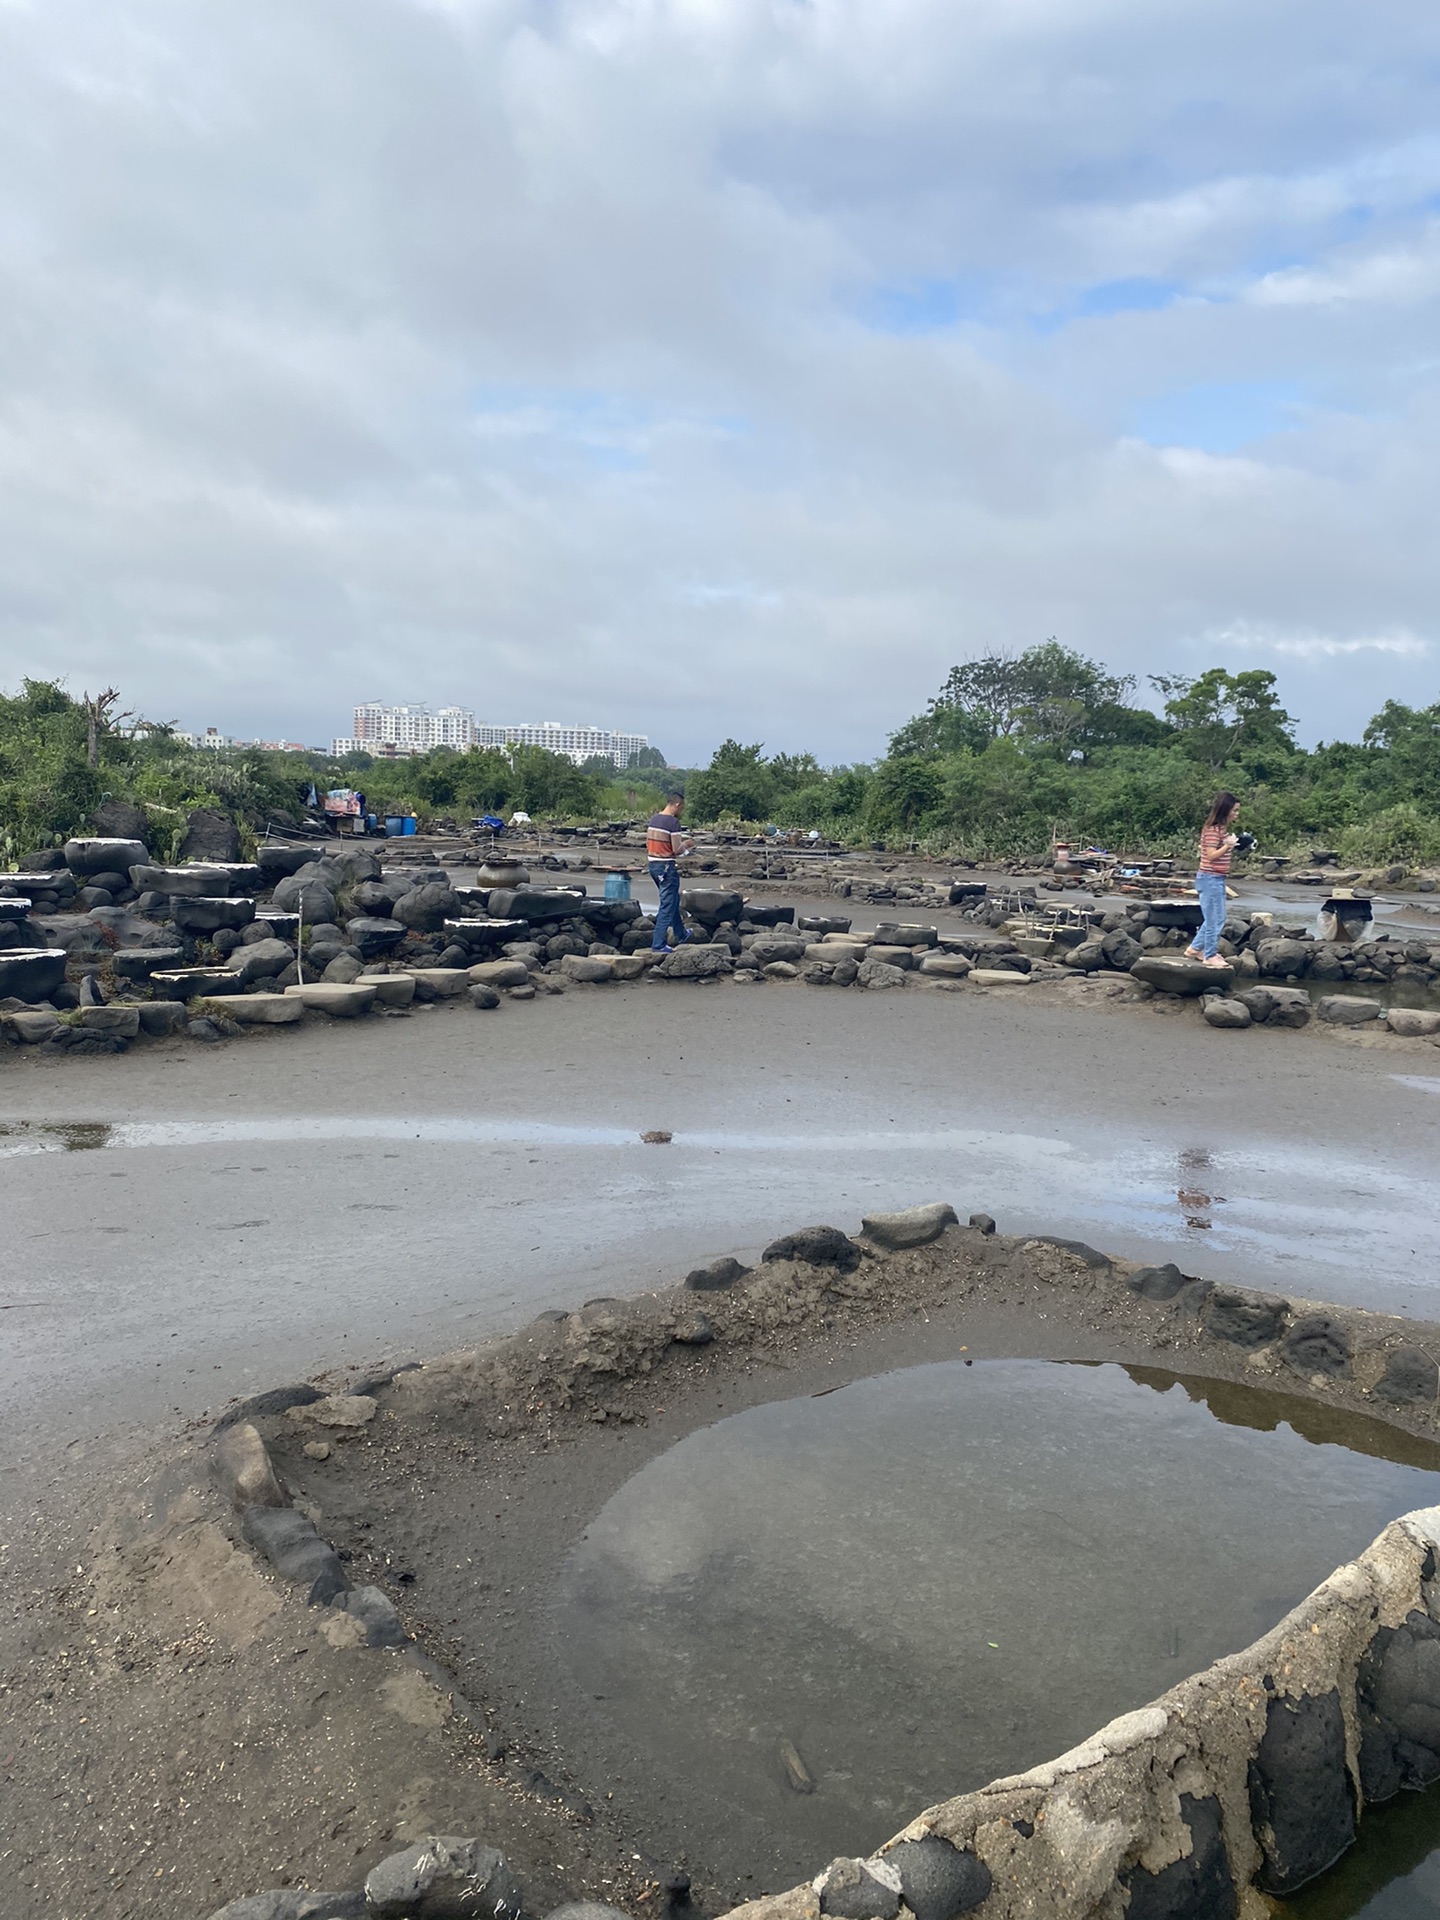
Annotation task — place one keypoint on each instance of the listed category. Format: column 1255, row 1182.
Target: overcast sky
column 712, row 367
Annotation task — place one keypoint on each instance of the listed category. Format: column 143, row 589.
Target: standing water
column 810, row 1621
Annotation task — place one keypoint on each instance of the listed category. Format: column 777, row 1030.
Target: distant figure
column 664, row 843
column 1217, row 843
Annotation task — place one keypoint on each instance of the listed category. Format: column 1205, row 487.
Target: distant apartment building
column 412, row 728
column 576, row 743
column 393, row 732
column 211, row 738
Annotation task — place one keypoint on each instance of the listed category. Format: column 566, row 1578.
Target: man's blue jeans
column 1211, row 889
column 666, row 876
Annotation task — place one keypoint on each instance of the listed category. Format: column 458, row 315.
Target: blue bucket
column 617, row 886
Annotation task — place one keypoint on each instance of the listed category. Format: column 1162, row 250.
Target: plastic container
column 617, row 886
column 394, row 825
column 410, row 824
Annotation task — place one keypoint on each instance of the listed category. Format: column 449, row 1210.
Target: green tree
column 737, row 781
column 646, row 757
column 903, row 794
column 1219, row 716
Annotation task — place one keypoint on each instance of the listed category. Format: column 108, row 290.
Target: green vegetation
column 61, row 757
column 1018, row 749
column 1014, row 750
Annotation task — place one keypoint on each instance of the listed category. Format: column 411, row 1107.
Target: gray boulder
column 210, row 834
column 31, row 973
column 1088, row 957
column 443, row 1878
column 309, row 892
column 534, row 904
column 1120, row 949
column 878, row 975
column 1411, row 1023
column 709, row 906
column 1175, row 974
column 1220, row 1012
column 344, row 968
column 692, row 962
column 817, row 1247
column 276, row 862
column 159, row 1017
column 373, row 1609
column 261, row 959
column 1348, row 1010
column 940, row 1882
column 103, row 856
column 118, row 820
column 373, row 937
column 426, row 909
column 1283, row 956
column 293, row 1547
column 769, row 948
column 121, row 1023
column 1277, row 1006
column 720, row 1273
column 914, row 1227
column 32, row 1026
column 859, row 1890
column 293, row 1903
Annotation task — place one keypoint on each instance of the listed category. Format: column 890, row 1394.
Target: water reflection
column 929, row 1579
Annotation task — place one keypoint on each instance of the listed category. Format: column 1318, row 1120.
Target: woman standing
column 1217, row 843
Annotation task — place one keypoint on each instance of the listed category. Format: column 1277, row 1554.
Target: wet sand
column 339, row 1197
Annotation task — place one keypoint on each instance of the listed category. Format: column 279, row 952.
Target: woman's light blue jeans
column 1211, row 889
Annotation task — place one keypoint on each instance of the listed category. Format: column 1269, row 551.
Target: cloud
column 1319, row 646
column 495, row 350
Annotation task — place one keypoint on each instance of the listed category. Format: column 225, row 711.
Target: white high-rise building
column 576, row 743
column 409, row 729
column 388, row 731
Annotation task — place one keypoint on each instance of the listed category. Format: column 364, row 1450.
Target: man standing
column 664, row 843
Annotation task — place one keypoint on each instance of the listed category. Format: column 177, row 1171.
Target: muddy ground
column 181, row 1728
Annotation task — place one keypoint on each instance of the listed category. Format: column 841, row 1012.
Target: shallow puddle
column 810, row 1621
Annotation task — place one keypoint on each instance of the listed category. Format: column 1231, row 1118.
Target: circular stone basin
column 805, row 1624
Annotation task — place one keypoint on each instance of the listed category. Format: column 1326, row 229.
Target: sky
column 715, row 367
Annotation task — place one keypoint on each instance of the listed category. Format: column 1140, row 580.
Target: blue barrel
column 394, row 825
column 617, row 886
column 410, row 823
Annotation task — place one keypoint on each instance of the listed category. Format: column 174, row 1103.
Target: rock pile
column 94, row 955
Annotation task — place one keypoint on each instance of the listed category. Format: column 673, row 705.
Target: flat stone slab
column 950, row 966
column 913, row 1227
column 391, row 989
column 499, row 973
column 207, row 878
column 104, row 856
column 121, row 1022
column 594, row 968
column 340, row 1002
column 265, row 1010
column 187, row 983
column 207, row 914
column 31, row 973
column 444, row 982
column 998, row 977
column 1348, row 1010
column 1188, row 978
